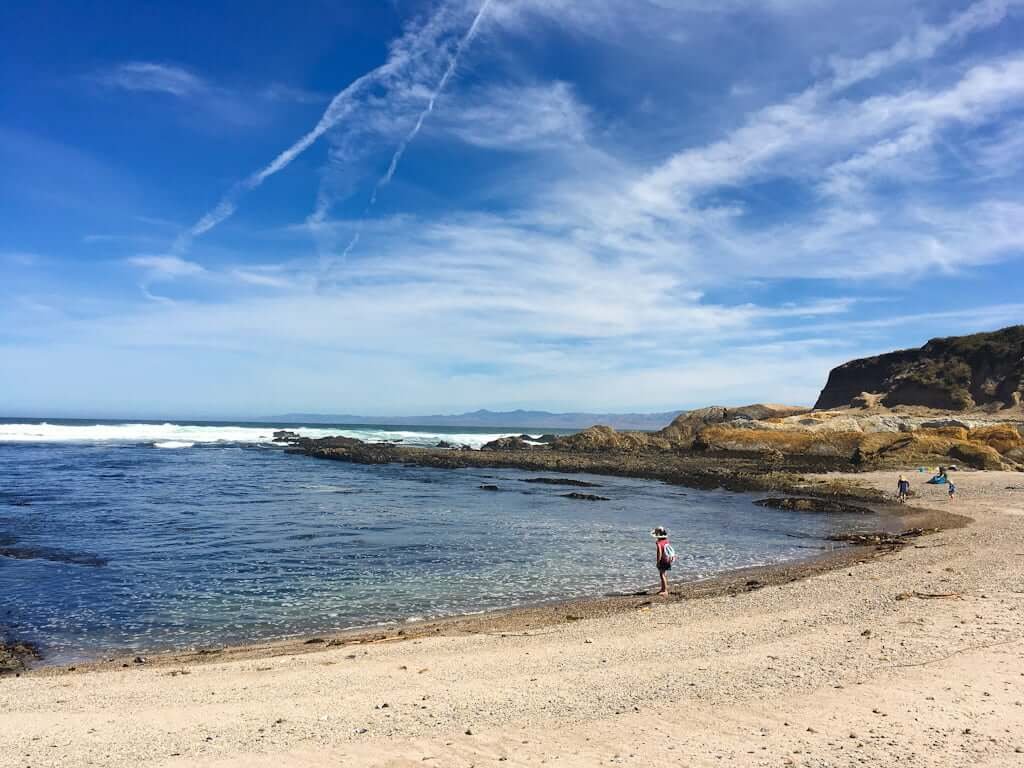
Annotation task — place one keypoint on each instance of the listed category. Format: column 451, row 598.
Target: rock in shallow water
column 795, row 504
column 15, row 657
column 562, row 481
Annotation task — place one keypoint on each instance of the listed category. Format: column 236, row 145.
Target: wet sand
column 914, row 655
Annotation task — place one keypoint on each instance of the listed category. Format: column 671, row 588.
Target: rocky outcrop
column 686, row 426
column 959, row 373
column 954, row 373
column 814, row 441
column 679, row 435
column 346, row 448
column 15, row 657
column 507, row 444
column 601, row 439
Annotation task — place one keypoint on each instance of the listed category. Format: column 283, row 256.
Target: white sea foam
column 171, row 435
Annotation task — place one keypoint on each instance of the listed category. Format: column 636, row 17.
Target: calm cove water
column 109, row 543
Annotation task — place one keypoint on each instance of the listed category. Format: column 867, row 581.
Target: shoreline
column 912, row 656
column 890, row 519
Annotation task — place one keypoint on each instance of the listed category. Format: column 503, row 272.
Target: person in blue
column 952, row 490
column 902, row 489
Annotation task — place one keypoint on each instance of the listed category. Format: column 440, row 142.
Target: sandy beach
column 912, row 657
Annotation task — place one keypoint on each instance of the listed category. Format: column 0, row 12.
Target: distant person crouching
column 666, row 555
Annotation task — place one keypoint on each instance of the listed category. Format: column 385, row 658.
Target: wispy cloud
column 159, row 267
column 812, row 130
column 151, row 77
column 922, row 44
column 267, row 277
column 781, row 238
column 209, row 102
column 518, row 118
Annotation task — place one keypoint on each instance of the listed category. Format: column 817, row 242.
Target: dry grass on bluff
column 867, row 441
column 996, row 447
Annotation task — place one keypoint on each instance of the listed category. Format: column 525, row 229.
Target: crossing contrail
column 321, row 208
column 405, row 51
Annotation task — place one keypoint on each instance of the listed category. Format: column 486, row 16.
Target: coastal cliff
column 955, row 373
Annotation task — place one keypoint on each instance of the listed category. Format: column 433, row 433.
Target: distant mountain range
column 483, row 418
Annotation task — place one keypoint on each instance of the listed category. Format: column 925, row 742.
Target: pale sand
column 832, row 670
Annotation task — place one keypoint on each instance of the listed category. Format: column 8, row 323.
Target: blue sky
column 406, row 207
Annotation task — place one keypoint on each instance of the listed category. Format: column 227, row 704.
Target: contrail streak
column 341, row 106
column 321, row 208
column 405, row 51
column 452, row 64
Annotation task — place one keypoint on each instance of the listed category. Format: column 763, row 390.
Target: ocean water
column 109, row 543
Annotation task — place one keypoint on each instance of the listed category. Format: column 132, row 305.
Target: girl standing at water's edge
column 666, row 555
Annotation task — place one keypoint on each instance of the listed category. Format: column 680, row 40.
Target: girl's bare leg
column 663, row 575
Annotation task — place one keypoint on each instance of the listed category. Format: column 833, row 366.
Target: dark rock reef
column 828, row 506
column 508, row 444
column 955, row 373
column 696, row 469
column 561, row 481
column 15, row 657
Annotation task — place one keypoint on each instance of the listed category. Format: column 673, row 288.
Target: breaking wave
column 185, row 435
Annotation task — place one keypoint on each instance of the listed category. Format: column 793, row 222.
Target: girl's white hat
column 660, row 532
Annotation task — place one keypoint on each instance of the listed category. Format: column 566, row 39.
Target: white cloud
column 608, row 266
column 201, row 102
column 518, row 118
column 266, row 278
column 166, row 267
column 154, row 78
column 998, row 155
column 798, row 136
column 922, row 44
